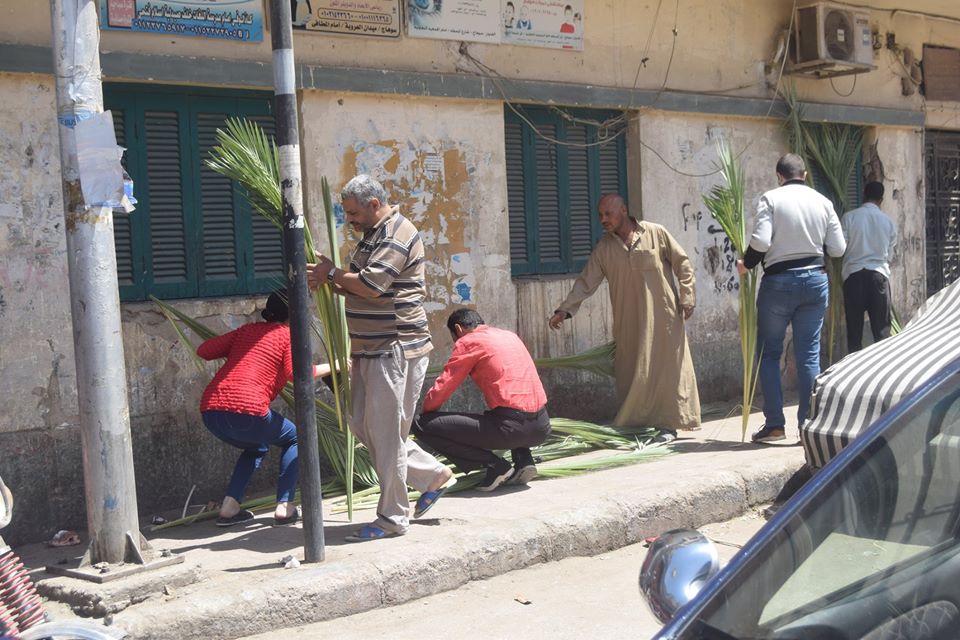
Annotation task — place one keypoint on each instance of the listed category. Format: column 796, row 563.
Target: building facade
column 498, row 151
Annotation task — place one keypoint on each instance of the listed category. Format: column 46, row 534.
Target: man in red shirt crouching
column 516, row 419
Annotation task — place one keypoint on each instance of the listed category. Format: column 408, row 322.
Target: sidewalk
column 232, row 584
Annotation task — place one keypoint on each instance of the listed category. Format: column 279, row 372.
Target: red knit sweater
column 259, row 364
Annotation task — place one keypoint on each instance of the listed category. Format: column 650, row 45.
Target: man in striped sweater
column 384, row 291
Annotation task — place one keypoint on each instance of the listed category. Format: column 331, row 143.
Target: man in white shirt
column 794, row 225
column 871, row 236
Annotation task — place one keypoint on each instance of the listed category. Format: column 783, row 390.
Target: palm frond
column 726, row 204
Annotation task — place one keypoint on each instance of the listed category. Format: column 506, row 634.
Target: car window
column 878, row 547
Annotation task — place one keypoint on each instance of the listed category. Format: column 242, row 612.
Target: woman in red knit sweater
column 236, row 406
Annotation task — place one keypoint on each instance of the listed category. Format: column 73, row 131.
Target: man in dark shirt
column 516, row 418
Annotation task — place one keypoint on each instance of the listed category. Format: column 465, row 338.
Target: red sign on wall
column 120, row 13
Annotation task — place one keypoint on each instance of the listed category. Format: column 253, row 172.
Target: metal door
column 943, row 208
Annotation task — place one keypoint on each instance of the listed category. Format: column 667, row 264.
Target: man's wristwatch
column 331, row 275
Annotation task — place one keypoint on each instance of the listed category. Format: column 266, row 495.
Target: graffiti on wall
column 429, row 181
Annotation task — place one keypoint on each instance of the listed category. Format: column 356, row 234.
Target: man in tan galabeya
column 651, row 284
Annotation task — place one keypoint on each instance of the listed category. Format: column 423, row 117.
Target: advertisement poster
column 380, row 18
column 557, row 24
column 240, row 20
column 469, row 20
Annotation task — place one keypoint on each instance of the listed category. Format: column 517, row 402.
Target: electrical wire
column 844, row 95
column 673, row 48
column 783, row 63
column 602, row 127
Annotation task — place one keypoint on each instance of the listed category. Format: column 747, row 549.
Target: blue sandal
column 429, row 498
column 370, row 532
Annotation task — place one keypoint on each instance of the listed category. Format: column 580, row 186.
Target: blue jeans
column 798, row 298
column 254, row 435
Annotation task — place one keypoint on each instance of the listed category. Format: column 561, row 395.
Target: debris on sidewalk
column 64, row 538
column 521, row 599
column 289, row 562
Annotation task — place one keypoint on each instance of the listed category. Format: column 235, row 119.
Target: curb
column 233, row 607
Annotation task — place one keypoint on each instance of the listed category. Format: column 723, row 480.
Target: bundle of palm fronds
column 834, row 150
column 725, row 203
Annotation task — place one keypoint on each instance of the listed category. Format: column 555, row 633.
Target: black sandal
column 242, row 516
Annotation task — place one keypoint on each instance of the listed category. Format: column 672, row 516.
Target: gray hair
column 363, row 188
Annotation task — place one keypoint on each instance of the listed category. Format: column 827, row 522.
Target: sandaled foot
column 370, row 532
column 429, row 498
column 241, row 516
column 290, row 519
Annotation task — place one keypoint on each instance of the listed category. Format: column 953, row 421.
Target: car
column 869, row 548
column 853, row 393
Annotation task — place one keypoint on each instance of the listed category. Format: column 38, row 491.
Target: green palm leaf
column 725, row 203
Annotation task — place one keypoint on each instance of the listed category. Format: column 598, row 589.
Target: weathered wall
column 37, row 347
column 722, row 46
column 39, row 434
column 447, row 175
column 897, row 154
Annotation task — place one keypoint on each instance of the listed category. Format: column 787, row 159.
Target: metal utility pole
column 288, row 140
column 111, row 496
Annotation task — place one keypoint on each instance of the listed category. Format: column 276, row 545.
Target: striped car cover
column 849, row 396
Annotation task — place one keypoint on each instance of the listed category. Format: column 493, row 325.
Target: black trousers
column 469, row 440
column 866, row 291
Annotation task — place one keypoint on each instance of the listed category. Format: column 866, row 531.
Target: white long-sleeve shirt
column 871, row 236
column 795, row 222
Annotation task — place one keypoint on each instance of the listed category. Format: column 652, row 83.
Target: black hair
column 791, row 167
column 873, row 191
column 276, row 308
column 466, row 318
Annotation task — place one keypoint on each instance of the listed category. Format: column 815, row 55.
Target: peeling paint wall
column 899, row 152
column 447, row 175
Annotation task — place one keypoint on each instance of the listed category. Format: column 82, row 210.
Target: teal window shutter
column 558, row 166
column 194, row 233
column 122, row 235
column 854, row 186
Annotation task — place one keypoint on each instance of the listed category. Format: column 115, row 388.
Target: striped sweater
column 390, row 260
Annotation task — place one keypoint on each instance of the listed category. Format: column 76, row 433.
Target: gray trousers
column 384, row 394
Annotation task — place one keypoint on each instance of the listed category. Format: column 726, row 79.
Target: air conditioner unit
column 831, row 39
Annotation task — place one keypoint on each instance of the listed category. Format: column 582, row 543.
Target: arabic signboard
column 240, row 20
column 379, row 18
column 555, row 24
column 469, row 20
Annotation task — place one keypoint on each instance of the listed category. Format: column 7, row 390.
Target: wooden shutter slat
column 516, row 207
column 219, row 243
column 578, row 179
column 548, row 196
column 268, row 259
column 165, row 185
column 122, row 237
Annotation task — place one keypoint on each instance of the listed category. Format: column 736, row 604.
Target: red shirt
column 259, row 364
column 499, row 363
